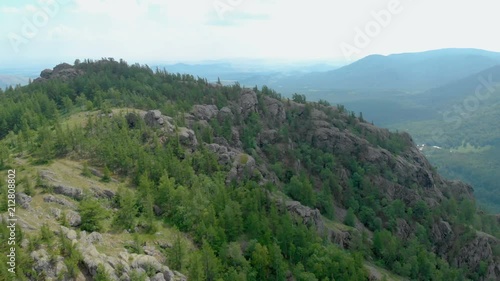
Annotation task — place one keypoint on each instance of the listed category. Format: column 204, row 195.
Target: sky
column 269, row 30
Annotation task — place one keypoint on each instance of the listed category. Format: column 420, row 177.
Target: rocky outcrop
column 61, row 201
column 403, row 229
column 312, row 218
column 479, row 249
column 225, row 113
column 243, row 167
column 187, row 137
column 24, row 200
column 466, row 248
column 123, row 264
column 73, row 218
column 225, row 155
column 102, row 193
column 275, row 109
column 205, row 112
column 49, row 267
column 48, row 176
column 154, row 118
column 268, row 137
column 248, row 102
column 71, row 192
column 62, row 72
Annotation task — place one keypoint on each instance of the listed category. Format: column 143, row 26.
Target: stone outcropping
column 61, row 201
column 205, row 112
column 62, row 71
column 118, row 267
column 24, row 200
column 154, row 118
column 72, row 192
column 248, row 102
column 312, row 218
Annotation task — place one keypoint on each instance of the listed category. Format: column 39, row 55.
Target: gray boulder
column 72, row 192
column 275, row 109
column 102, row 193
column 23, row 200
column 205, row 112
column 61, row 201
column 225, row 113
column 74, row 219
column 248, row 102
column 187, row 137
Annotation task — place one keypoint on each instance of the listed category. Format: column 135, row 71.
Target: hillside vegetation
column 129, row 173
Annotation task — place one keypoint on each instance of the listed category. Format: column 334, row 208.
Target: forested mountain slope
column 168, row 177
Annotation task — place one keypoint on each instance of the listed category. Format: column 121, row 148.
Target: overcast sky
column 195, row 30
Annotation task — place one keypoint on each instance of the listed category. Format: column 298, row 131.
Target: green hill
column 124, row 172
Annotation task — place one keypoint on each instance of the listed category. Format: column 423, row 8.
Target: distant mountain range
column 405, row 72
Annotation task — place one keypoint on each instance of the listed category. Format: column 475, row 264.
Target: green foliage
column 301, row 189
column 92, row 214
column 299, row 98
column 106, row 175
column 101, row 274
column 350, row 218
column 125, row 217
column 86, row 170
column 72, row 257
column 178, row 253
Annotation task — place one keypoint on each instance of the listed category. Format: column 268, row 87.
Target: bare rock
column 268, row 137
column 275, row 109
column 479, row 249
column 187, row 137
column 224, row 154
column 56, row 212
column 63, row 71
column 94, row 237
column 151, row 118
column 69, row 233
column 48, row 176
column 205, row 112
column 23, row 200
column 61, row 201
column 102, row 193
column 248, row 102
column 224, row 114
column 158, row 277
column 74, row 219
column 46, row 73
column 403, row 229
column 244, row 166
column 43, row 263
column 72, row 192
column 310, row 217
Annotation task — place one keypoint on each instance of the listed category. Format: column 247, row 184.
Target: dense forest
column 309, row 191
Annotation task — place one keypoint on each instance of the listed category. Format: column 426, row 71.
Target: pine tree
column 350, row 218
column 126, row 215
